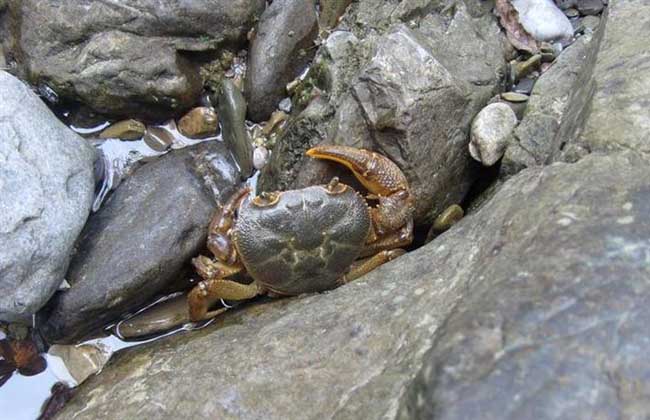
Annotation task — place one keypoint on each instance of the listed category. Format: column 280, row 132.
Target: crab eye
column 335, row 187
column 266, row 199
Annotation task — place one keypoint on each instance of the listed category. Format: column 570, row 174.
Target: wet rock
column 158, row 138
column 548, row 330
column 124, row 130
column 619, row 119
column 331, row 11
column 141, row 239
column 490, row 131
column 543, row 20
column 370, row 337
column 445, row 220
column 46, row 189
column 524, row 86
column 232, row 110
column 557, row 108
column 514, row 97
column 454, row 64
column 171, row 313
column 282, row 47
column 133, row 61
column 590, row 7
column 83, row 360
column 199, row 123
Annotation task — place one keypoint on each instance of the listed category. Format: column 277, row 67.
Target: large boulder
column 407, row 91
column 125, row 60
column 141, row 239
column 46, row 189
column 556, row 324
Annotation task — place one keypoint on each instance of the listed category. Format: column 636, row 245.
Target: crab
column 306, row 240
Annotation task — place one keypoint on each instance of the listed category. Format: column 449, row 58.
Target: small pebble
column 81, row 360
column 590, row 7
column 514, row 97
column 571, row 13
column 158, row 138
column 199, row 123
column 276, row 120
column 260, row 157
column 285, row 105
column 124, row 130
column 490, row 131
column 445, row 220
column 521, row 69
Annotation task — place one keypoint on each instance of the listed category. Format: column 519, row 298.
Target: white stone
column 490, row 131
column 260, row 157
column 543, row 20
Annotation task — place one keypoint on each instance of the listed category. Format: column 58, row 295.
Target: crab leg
column 219, row 242
column 361, row 267
column 382, row 178
column 208, row 292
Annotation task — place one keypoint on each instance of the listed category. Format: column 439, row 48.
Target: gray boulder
column 619, row 117
column 141, row 239
column 281, row 50
column 130, row 60
column 409, row 92
column 556, row 324
column 557, row 108
column 497, row 296
column 46, row 189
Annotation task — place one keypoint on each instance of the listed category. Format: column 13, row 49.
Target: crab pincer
column 385, row 181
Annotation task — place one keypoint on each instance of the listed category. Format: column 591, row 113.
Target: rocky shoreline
column 526, row 116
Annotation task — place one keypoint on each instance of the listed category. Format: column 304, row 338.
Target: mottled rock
column 273, row 359
column 281, row 50
column 232, row 111
column 557, row 107
column 46, row 189
column 490, row 131
column 331, row 11
column 130, row 60
column 555, row 325
column 124, row 130
column 619, row 117
column 199, row 123
column 409, row 94
column 141, row 239
column 543, row 20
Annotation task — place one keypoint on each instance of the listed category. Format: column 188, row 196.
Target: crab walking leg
column 383, row 179
column 361, row 267
column 398, row 239
column 219, row 242
column 208, row 292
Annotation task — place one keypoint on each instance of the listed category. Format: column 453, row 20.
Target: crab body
column 306, row 240
column 303, row 242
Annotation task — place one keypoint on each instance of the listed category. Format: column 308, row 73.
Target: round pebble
column 514, row 97
column 490, row 131
column 260, row 157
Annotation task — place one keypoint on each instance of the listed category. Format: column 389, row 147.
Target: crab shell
column 304, row 240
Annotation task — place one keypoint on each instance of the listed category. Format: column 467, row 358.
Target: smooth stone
column 81, row 361
column 141, row 240
column 281, row 50
column 124, row 130
column 572, row 13
column 46, row 190
column 525, row 86
column 469, row 307
column 514, row 97
column 134, row 60
column 445, row 220
column 543, row 20
column 555, row 323
column 521, row 69
column 590, row 7
column 260, row 157
column 490, row 131
column 159, row 139
column 157, row 319
column 232, row 110
column 200, row 122
column 277, row 120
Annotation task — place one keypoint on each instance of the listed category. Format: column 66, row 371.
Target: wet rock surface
column 556, row 323
column 232, row 112
column 282, row 48
column 46, row 189
column 421, row 121
column 368, row 338
column 132, row 60
column 619, row 119
column 141, row 239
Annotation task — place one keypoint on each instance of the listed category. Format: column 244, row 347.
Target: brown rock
column 199, row 123
column 124, row 130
